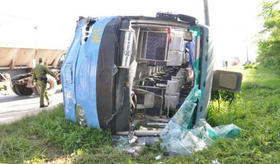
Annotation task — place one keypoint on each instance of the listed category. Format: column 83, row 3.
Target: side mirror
column 227, row 80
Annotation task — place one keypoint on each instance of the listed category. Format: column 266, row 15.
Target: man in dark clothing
column 40, row 77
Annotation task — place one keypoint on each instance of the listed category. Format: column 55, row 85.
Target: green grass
column 256, row 109
column 49, row 137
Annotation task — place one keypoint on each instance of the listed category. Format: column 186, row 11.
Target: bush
column 250, row 66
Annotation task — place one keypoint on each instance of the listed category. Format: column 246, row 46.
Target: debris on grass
column 158, row 157
column 187, row 141
column 124, row 143
column 179, row 137
column 215, row 162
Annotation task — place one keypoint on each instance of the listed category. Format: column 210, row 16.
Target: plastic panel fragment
column 230, row 131
column 187, row 141
column 179, row 138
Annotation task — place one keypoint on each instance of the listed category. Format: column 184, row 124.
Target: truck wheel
column 15, row 90
column 51, row 86
column 22, row 90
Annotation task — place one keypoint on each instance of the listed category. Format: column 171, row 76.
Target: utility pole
column 206, row 13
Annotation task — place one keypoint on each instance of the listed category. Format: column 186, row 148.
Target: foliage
column 269, row 47
column 250, row 66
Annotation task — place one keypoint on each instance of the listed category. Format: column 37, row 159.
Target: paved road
column 13, row 107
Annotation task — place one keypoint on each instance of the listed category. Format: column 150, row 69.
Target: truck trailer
column 16, row 66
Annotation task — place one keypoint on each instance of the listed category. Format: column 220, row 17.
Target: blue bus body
column 120, row 67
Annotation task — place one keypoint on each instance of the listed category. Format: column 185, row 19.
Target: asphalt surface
column 13, row 107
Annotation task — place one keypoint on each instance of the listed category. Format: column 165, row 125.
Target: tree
column 269, row 47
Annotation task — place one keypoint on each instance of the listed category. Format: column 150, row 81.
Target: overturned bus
column 125, row 71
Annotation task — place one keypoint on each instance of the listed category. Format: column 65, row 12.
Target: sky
column 51, row 23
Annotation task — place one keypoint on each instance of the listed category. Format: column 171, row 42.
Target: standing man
column 40, row 77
